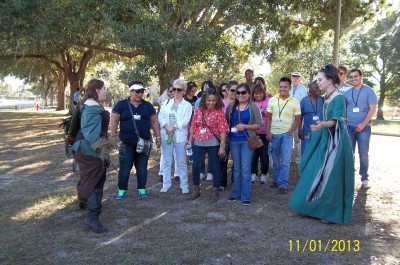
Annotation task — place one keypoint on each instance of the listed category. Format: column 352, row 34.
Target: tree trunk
column 61, row 85
column 381, row 101
column 75, row 76
column 163, row 81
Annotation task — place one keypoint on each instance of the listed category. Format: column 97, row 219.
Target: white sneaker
column 164, row 189
column 365, row 184
column 253, row 178
column 202, row 176
column 185, row 190
column 263, row 178
column 297, row 160
column 209, row 176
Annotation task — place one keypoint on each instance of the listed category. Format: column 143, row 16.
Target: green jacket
column 91, row 129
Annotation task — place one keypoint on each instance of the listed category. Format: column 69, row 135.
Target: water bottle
column 172, row 122
column 189, row 150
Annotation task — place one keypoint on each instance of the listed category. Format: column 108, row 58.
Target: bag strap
column 244, row 131
column 133, row 119
column 205, row 123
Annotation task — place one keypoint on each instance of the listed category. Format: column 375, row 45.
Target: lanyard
column 316, row 105
column 280, row 110
column 352, row 95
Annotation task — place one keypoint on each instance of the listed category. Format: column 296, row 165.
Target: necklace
column 329, row 95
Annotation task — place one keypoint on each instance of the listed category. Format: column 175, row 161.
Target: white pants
column 168, row 153
column 161, row 165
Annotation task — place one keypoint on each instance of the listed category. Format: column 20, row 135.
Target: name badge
column 356, row 110
column 203, row 131
column 234, row 130
column 136, row 117
column 315, row 118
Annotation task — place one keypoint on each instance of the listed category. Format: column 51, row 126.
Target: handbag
column 253, row 141
column 143, row 146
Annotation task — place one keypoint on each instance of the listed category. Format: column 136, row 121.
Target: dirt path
column 40, row 222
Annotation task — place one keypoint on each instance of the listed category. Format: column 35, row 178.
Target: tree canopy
column 164, row 38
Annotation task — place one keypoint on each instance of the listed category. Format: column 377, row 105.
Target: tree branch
column 114, row 51
column 36, row 56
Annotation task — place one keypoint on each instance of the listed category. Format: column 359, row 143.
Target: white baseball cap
column 136, row 87
column 296, row 74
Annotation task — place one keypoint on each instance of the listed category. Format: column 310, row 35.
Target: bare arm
column 156, row 129
column 115, row 118
column 371, row 113
column 295, row 125
column 323, row 124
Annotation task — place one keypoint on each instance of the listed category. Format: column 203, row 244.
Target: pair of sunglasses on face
column 243, row 92
column 139, row 91
column 177, row 89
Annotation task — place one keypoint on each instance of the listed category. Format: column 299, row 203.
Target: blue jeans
column 127, row 158
column 281, row 156
column 362, row 139
column 304, row 141
column 203, row 166
column 213, row 163
column 241, row 155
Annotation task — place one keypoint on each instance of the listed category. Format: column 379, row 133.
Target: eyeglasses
column 177, row 89
column 233, row 90
column 138, row 91
column 244, row 92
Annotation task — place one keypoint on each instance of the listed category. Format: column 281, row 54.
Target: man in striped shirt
column 283, row 119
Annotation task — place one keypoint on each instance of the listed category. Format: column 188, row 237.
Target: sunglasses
column 341, row 73
column 170, row 91
column 177, row 89
column 138, row 91
column 233, row 90
column 223, row 90
column 244, row 92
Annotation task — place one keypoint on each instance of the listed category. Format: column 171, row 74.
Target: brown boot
column 214, row 195
column 195, row 193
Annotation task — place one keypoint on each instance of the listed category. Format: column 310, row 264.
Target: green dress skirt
column 326, row 186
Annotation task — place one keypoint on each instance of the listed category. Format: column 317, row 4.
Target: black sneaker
column 176, row 178
column 232, row 199
column 246, row 203
column 160, row 178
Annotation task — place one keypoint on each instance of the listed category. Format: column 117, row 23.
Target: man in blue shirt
column 311, row 112
column 361, row 107
column 298, row 91
column 76, row 96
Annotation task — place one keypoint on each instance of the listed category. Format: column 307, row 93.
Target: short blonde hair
column 180, row 82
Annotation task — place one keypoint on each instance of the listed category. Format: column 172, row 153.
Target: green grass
column 386, row 126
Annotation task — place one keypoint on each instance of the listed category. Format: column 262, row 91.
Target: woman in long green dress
column 326, row 187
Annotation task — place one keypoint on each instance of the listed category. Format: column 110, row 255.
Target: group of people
column 221, row 121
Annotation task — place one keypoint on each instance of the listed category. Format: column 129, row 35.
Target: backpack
column 72, row 125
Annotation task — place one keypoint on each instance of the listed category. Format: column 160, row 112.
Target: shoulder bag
column 143, row 146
